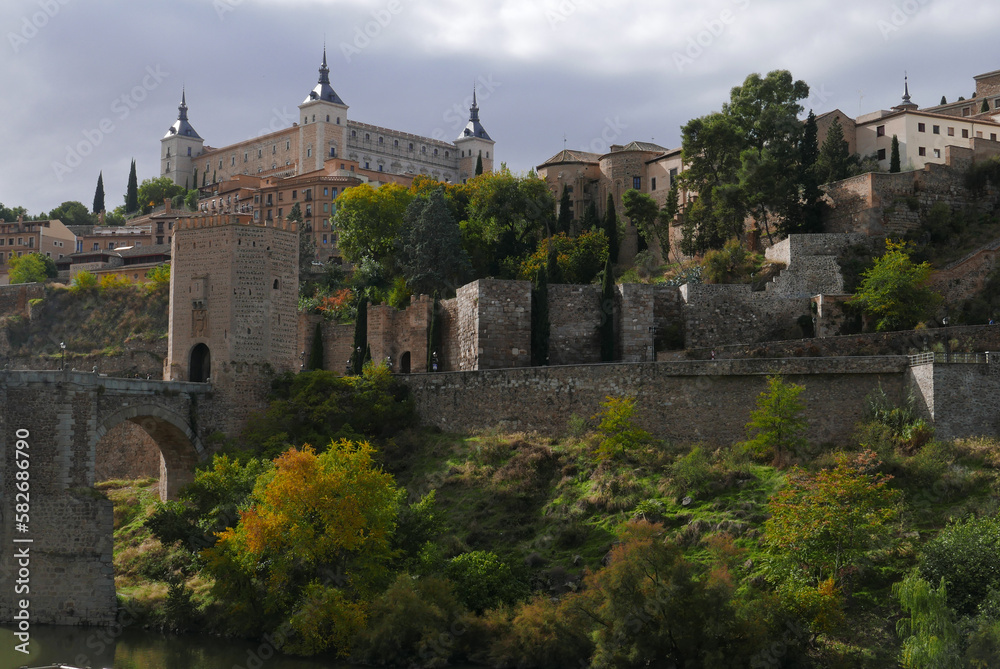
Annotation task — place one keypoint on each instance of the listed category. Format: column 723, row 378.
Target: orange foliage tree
column 311, row 548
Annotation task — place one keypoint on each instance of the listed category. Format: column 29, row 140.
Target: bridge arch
column 180, row 448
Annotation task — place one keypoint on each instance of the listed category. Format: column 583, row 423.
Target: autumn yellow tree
column 311, row 547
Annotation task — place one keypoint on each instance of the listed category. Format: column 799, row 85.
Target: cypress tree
column 368, row 356
column 812, row 197
column 99, row 194
column 540, row 326
column 433, row 334
column 985, row 107
column 611, row 229
column 361, row 337
column 194, row 178
column 553, row 273
column 316, row 351
column 479, row 164
column 132, row 194
column 894, row 156
column 607, row 328
column 834, row 160
column 590, row 218
column 565, row 221
column 944, row 100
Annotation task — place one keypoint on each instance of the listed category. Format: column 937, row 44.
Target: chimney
column 100, row 217
column 20, row 219
column 166, row 204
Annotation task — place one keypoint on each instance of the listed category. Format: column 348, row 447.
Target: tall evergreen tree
column 607, row 327
column 429, row 252
column 540, row 325
column 565, row 221
column 591, row 220
column 99, row 194
column 810, row 217
column 434, row 335
column 132, row 194
column 479, row 164
column 194, row 179
column 894, row 155
column 316, row 350
column 944, row 100
column 553, row 273
column 985, row 107
column 360, row 338
column 834, row 161
column 611, row 228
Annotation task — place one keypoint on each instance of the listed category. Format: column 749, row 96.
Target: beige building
column 923, row 134
column 50, row 238
column 324, row 132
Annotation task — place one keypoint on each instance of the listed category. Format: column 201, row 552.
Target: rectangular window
column 881, row 154
column 937, row 153
column 936, row 129
column 20, row 241
column 967, row 111
column 921, row 127
column 965, row 133
column 97, row 246
column 993, row 137
column 324, row 239
column 111, row 246
column 295, row 195
column 281, row 212
column 2, row 242
column 326, row 192
column 637, row 183
column 921, row 151
column 951, row 132
column 326, row 207
column 652, row 183
column 880, row 131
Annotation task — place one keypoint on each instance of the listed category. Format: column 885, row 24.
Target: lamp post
column 62, row 361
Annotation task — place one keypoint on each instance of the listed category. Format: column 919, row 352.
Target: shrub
column 617, row 427
column 484, row 581
column 966, row 554
column 110, row 282
column 83, row 281
column 546, row 633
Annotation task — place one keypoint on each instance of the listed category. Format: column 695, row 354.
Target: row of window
column 936, row 130
column 20, row 242
column 305, row 119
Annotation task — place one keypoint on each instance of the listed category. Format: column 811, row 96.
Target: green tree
column 965, row 554
column 307, row 243
column 810, row 218
column 834, row 160
column 370, row 220
column 72, row 213
column 944, row 100
column 827, row 522
column 313, row 518
column 743, row 161
column 616, row 423
column 316, row 349
column 11, row 214
column 777, row 426
column 507, row 216
column 430, row 254
column 568, row 259
column 931, row 639
column 565, row 221
column 894, row 290
column 152, row 192
column 607, row 326
column 611, row 228
column 99, row 194
column 30, row 268
column 132, row 192
column 985, row 107
column 484, row 581
column 360, row 337
column 643, row 212
column 894, row 155
column 591, row 220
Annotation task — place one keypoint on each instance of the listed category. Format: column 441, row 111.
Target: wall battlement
column 219, row 220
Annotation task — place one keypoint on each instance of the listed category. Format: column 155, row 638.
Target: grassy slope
column 550, row 506
column 91, row 322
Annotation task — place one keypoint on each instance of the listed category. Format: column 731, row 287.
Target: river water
column 98, row 648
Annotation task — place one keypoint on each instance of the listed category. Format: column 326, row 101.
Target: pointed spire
column 182, row 110
column 181, row 126
column 474, row 109
column 906, row 89
column 324, row 70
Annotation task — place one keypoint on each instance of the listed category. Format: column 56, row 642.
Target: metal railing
column 954, row 358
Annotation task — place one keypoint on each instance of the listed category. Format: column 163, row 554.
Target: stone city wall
column 965, row 398
column 678, row 401
column 14, row 299
column 575, row 318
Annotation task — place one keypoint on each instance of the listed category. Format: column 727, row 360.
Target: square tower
column 233, row 300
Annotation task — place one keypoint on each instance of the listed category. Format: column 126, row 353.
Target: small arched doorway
column 200, row 367
column 404, row 363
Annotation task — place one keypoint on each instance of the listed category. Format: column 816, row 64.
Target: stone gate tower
column 233, row 306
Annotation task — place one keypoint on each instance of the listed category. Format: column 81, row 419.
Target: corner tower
column 322, row 123
column 179, row 147
column 473, row 143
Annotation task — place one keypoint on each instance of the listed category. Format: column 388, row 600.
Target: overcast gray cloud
column 87, row 86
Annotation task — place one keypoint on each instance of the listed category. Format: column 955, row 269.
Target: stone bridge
column 56, row 420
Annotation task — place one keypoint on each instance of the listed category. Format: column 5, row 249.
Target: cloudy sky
column 89, row 85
